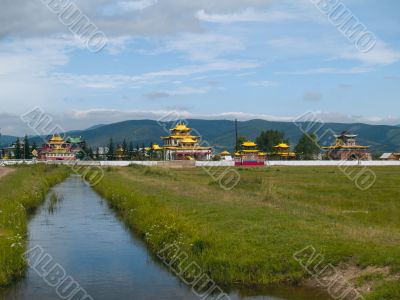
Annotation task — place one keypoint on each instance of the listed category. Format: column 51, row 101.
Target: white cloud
column 101, row 81
column 177, row 92
column 136, row 5
column 204, row 47
column 381, row 54
column 248, row 15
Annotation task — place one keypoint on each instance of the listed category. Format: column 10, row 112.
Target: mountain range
column 221, row 133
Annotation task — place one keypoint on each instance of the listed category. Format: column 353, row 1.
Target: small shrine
column 347, row 148
column 282, row 152
column 249, row 155
column 225, row 155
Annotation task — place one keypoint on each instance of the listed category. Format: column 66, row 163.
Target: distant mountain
column 221, row 133
column 95, row 127
column 5, row 140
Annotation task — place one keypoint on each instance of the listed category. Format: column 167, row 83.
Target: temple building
column 249, row 155
column 390, row 156
column 120, row 153
column 182, row 145
column 282, row 152
column 347, row 148
column 226, row 156
column 57, row 149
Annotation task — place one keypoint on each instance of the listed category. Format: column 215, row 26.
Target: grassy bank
column 21, row 192
column 248, row 236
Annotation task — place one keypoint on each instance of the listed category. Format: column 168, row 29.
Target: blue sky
column 248, row 59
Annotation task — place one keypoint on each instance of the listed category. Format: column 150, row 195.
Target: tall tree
column 143, row 151
column 111, row 150
column 131, row 149
column 97, row 157
column 125, row 148
column 34, row 146
column 268, row 139
column 308, row 148
column 137, row 154
column 26, row 149
column 90, row 153
column 240, row 141
column 17, row 149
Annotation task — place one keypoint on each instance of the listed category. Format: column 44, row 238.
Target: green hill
column 221, row 133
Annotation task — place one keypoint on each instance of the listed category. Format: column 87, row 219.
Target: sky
column 226, row 59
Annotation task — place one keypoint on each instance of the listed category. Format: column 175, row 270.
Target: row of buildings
column 181, row 144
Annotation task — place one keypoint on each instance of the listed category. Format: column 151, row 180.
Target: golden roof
column 249, row 144
column 56, row 139
column 225, row 153
column 282, row 145
column 179, row 137
column 189, row 140
column 156, row 147
column 237, row 154
column 181, row 127
column 186, row 148
column 262, row 154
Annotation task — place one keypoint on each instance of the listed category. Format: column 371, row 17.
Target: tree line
column 307, row 148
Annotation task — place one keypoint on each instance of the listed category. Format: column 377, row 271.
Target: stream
column 86, row 238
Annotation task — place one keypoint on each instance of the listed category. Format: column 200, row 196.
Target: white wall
column 214, row 163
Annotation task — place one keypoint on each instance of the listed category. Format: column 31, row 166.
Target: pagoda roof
column 225, row 153
column 74, row 140
column 181, row 127
column 56, row 139
column 188, row 140
column 249, row 144
column 186, row 148
column 250, row 151
column 282, row 145
column 346, row 135
column 179, row 137
column 156, row 147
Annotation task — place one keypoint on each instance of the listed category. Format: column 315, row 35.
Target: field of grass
column 21, row 192
column 248, row 236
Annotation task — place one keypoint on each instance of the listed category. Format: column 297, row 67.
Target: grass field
column 248, row 236
column 21, row 191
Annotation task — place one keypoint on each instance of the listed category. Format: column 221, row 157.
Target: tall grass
column 21, row 192
column 248, row 236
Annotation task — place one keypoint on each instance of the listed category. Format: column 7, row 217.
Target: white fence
column 292, row 163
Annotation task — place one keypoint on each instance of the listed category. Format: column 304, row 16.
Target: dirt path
column 5, row 171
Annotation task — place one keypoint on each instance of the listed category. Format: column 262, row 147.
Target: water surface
column 85, row 237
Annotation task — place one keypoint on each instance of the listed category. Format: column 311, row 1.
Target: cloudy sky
column 271, row 59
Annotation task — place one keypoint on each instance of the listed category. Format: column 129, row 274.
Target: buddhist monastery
column 182, row 145
column 57, row 149
column 346, row 148
column 282, row 152
column 249, row 155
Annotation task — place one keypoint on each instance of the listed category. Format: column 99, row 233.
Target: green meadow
column 248, row 236
column 22, row 190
